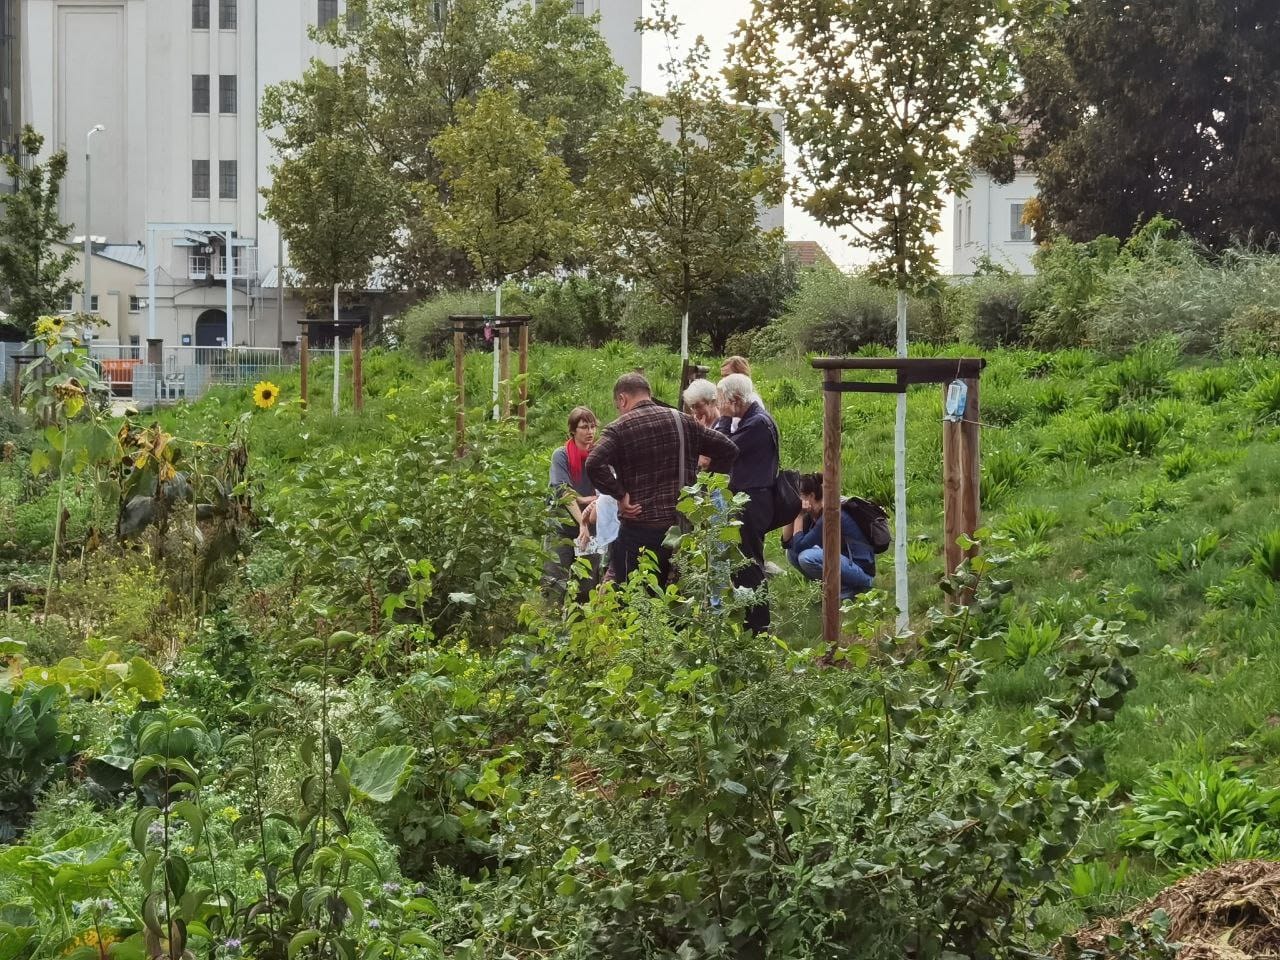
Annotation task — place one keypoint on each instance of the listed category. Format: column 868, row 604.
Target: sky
column 716, row 21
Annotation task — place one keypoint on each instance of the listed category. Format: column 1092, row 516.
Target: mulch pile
column 1231, row 912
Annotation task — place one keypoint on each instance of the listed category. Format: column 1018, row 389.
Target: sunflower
column 265, row 394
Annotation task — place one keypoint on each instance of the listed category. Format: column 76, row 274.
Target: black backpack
column 871, row 520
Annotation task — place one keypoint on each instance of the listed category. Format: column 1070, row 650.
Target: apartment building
column 175, row 85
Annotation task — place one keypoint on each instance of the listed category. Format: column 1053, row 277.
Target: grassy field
column 1143, row 489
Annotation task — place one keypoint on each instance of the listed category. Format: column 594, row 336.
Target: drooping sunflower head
column 265, row 394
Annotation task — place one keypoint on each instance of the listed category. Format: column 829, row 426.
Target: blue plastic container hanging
column 957, row 398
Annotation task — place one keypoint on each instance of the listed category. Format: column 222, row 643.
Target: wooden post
column 459, row 381
column 831, row 404
column 524, row 378
column 961, row 477
column 504, row 369
column 304, row 364
column 357, row 367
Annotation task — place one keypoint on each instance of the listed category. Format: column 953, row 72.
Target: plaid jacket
column 639, row 454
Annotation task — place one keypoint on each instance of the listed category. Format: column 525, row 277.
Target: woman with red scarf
column 573, row 491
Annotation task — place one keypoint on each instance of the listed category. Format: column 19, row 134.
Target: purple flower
column 391, row 889
column 232, row 946
column 375, row 924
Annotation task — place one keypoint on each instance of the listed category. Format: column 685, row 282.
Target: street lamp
column 88, row 240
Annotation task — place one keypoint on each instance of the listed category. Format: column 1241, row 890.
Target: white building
column 10, row 84
column 987, row 222
column 177, row 84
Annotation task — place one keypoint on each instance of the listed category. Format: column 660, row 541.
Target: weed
column 1027, row 640
column 1142, row 375
column 1243, row 588
column 1208, row 386
column 1120, row 433
column 920, row 550
column 1178, row 465
column 1003, row 471
column 1266, row 555
column 1188, row 812
column 1031, row 525
column 1264, row 399
column 1189, row 656
column 1186, row 557
column 1098, row 880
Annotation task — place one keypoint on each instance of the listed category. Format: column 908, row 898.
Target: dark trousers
column 756, row 516
column 634, row 540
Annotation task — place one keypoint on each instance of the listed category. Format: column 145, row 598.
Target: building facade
column 10, row 83
column 987, row 222
column 177, row 84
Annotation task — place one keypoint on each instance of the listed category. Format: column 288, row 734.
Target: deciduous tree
column 1161, row 108
column 679, row 181
column 34, row 266
column 876, row 95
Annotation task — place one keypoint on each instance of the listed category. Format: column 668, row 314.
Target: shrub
column 34, row 744
column 424, row 328
column 1000, row 317
column 1190, row 810
column 838, row 313
column 649, row 322
column 1142, row 375
column 1067, row 279
column 1252, row 330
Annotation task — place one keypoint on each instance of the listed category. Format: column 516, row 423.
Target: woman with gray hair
column 753, row 473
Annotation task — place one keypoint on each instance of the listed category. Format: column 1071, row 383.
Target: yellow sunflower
column 265, row 394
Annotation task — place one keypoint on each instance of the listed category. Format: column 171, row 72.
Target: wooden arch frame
column 960, row 457
column 463, row 324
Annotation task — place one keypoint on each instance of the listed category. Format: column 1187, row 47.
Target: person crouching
column 804, row 548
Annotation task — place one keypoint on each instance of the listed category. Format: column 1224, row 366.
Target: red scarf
column 577, row 458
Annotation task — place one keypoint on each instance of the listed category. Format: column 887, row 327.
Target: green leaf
column 146, row 679
column 303, row 938
column 379, row 774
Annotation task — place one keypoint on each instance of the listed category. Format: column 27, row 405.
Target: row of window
column 1019, row 232
column 227, row 97
column 326, row 13
column 136, row 304
column 228, row 179
column 226, row 14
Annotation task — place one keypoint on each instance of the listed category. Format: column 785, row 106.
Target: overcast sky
column 716, row 20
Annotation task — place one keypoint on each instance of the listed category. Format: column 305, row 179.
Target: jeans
column 853, row 578
column 756, row 516
column 632, row 541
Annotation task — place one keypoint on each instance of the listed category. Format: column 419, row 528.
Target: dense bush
column 425, row 329
column 1000, row 316
column 839, row 313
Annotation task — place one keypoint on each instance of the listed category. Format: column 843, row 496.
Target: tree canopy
column 408, row 67
column 1166, row 108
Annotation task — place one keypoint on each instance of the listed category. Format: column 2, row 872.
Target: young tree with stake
column 876, row 95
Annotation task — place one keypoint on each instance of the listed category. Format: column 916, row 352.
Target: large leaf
column 379, row 774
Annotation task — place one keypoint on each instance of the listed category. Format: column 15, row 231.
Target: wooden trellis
column 356, row 328
column 960, row 457
column 502, row 326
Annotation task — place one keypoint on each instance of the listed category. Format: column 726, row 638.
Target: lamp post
column 88, row 240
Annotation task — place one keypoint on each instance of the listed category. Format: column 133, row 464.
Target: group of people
column 621, row 488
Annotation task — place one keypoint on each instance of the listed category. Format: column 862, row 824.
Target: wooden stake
column 831, row 507
column 304, row 358
column 504, row 369
column 357, row 367
column 459, row 381
column 961, row 478
column 524, row 378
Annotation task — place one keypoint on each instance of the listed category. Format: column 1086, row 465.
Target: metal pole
column 231, row 273
column 279, row 283
column 88, row 208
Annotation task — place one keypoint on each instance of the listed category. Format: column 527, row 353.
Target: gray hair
column 737, row 388
column 699, row 391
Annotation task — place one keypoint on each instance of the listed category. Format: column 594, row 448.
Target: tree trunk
column 900, row 477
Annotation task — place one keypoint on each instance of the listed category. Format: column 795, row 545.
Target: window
column 355, row 17
column 959, row 224
column 227, row 179
column 93, row 304
column 199, row 93
column 199, row 14
column 226, row 14
column 968, row 223
column 327, row 12
column 67, row 305
column 135, row 342
column 580, row 7
column 1017, row 229
column 200, row 179
column 137, row 304
column 227, row 93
